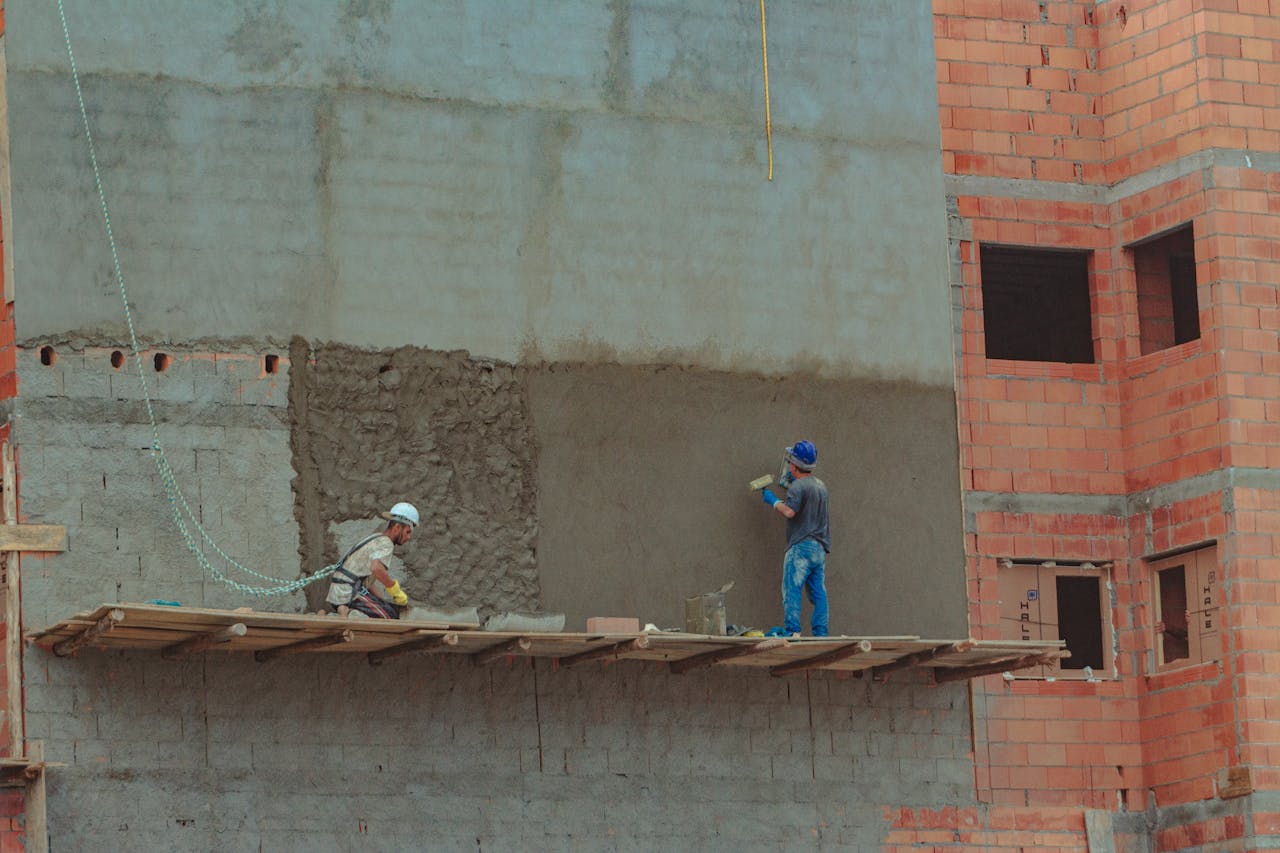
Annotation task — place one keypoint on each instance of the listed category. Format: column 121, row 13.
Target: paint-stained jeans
column 804, row 568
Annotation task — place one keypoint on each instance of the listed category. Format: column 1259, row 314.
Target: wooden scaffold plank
column 201, row 642
column 860, row 647
column 942, row 674
column 33, row 537
column 314, row 643
column 616, row 651
column 88, row 635
column 421, row 644
column 921, row 657
column 679, row 667
column 501, row 650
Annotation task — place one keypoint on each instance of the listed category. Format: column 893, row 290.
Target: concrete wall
column 513, row 179
column 550, row 225
column 553, row 189
column 328, row 754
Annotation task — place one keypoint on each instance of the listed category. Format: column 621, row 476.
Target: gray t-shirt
column 807, row 496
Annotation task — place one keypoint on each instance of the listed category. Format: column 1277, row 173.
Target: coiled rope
column 184, row 517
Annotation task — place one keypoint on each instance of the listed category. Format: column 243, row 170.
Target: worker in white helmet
column 348, row 585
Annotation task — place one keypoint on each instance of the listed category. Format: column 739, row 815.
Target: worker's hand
column 398, row 596
column 768, row 496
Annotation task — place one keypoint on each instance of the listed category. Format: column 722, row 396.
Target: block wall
column 324, row 753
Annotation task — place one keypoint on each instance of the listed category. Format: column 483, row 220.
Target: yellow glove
column 398, row 596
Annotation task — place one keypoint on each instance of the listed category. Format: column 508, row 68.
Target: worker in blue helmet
column 808, row 538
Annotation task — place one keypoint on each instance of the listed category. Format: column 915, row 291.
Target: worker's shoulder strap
column 356, row 547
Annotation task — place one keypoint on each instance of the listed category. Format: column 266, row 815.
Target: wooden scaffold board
column 179, row 632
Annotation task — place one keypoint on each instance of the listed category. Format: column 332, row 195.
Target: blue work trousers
column 804, row 568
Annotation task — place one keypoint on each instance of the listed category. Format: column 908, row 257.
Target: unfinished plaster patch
column 446, row 432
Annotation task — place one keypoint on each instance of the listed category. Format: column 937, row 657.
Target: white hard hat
column 404, row 513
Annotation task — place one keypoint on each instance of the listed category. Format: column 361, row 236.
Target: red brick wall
column 1069, row 91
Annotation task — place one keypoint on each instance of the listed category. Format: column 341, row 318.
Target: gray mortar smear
column 448, row 433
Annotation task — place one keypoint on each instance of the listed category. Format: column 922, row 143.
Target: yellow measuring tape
column 768, row 122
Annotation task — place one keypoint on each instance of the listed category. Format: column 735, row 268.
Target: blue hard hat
column 803, row 455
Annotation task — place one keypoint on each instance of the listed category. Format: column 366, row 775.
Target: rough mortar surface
column 447, row 433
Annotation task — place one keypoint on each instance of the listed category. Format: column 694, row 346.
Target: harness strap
column 356, row 582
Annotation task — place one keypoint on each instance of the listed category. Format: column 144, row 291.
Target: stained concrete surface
column 521, row 181
column 642, row 495
column 612, row 490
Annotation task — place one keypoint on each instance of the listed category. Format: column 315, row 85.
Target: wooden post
column 88, row 635
column 12, row 606
column 37, row 808
column 501, row 650
column 860, row 647
column 421, row 644
column 200, row 642
column 615, row 650
column 679, row 667
column 334, row 639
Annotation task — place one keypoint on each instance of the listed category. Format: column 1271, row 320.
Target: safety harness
column 362, row 598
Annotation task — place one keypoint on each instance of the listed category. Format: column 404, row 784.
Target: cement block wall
column 552, row 223
column 326, row 754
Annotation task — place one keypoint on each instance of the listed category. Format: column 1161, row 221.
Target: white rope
column 184, row 517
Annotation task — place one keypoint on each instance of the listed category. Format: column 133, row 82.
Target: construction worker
column 808, row 539
column 348, row 588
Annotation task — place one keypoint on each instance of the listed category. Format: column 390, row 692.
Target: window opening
column 1185, row 592
column 1047, row 601
column 1080, row 621
column 1035, row 305
column 1168, row 306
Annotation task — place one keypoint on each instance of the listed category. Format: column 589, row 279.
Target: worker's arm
column 382, row 576
column 777, row 503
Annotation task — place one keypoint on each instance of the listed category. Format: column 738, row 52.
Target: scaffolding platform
column 178, row 632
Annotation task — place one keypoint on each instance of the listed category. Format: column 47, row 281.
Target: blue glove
column 768, row 497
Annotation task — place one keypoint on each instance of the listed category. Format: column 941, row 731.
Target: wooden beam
column 12, row 601
column 33, row 537
column 614, row 650
column 917, row 658
column 501, row 650
column 334, row 639
column 942, row 674
column 421, row 644
column 88, row 635
column 37, row 805
column 200, row 642
column 678, row 667
column 860, row 647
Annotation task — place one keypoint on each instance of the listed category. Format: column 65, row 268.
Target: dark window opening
column 1080, row 621
column 1047, row 601
column 1168, row 307
column 1172, row 627
column 1035, row 305
column 1187, row 627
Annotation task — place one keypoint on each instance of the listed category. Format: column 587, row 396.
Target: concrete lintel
column 979, row 185
column 1224, row 480
column 1044, row 503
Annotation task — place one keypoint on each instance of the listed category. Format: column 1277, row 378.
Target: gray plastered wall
column 550, row 221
